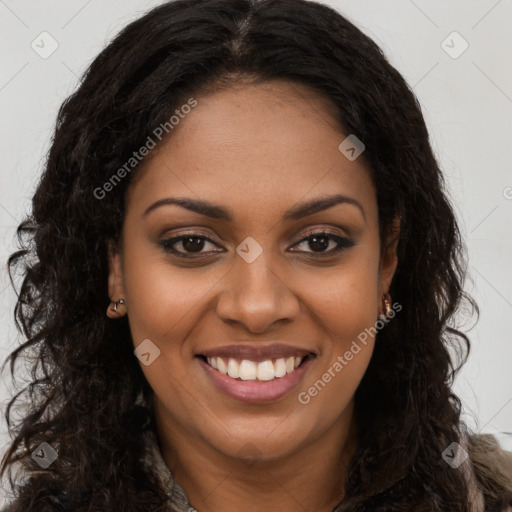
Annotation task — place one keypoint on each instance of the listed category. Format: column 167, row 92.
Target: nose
column 257, row 295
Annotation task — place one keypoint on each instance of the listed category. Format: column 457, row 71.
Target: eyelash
column 343, row 243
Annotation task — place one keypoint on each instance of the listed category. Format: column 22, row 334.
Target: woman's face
column 257, row 291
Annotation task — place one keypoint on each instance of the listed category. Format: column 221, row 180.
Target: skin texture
column 242, row 148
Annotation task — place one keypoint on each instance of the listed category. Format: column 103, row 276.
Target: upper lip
column 256, row 352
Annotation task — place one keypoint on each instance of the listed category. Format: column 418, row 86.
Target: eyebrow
column 218, row 212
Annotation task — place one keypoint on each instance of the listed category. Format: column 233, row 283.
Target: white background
column 467, row 102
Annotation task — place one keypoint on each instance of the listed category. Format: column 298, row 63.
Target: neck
column 310, row 478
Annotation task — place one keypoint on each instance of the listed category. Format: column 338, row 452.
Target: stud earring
column 114, row 307
column 114, row 312
column 386, row 299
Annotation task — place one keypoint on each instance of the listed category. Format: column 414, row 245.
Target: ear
column 115, row 277
column 389, row 259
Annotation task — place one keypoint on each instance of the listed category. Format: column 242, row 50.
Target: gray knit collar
column 154, row 462
column 178, row 502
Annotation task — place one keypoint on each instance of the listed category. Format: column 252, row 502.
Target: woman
column 251, row 186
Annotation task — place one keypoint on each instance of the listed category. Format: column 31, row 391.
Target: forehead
column 255, row 147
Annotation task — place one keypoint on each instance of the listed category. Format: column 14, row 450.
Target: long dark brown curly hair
column 85, row 378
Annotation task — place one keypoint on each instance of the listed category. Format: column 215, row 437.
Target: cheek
column 162, row 298
column 346, row 302
column 349, row 324
column 346, row 308
column 163, row 307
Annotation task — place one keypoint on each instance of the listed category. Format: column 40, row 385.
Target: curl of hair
column 85, row 379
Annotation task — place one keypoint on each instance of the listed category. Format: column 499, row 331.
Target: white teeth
column 247, row 370
column 265, row 370
column 251, row 370
column 233, row 369
column 222, row 365
column 280, row 368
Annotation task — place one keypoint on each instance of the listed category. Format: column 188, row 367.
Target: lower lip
column 256, row 391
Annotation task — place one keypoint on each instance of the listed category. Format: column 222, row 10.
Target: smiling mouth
column 247, row 370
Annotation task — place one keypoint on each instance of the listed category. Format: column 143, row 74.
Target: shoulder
column 492, row 471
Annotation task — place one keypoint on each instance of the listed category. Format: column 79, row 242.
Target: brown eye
column 193, row 244
column 190, row 244
column 321, row 240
